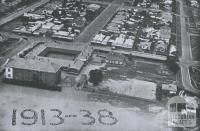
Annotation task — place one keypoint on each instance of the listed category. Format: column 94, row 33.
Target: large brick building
column 33, row 72
column 40, row 64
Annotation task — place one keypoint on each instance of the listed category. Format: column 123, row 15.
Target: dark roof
column 190, row 101
column 115, row 56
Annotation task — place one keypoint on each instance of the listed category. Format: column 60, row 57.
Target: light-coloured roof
column 33, row 64
column 169, row 87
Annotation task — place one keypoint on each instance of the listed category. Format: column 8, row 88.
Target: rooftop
column 34, row 60
column 34, row 64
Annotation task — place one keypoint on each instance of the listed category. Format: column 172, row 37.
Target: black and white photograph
column 99, row 65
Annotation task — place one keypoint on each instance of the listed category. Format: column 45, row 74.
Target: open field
column 71, row 102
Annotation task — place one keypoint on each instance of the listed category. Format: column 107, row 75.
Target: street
column 186, row 59
column 21, row 106
column 99, row 22
column 21, row 12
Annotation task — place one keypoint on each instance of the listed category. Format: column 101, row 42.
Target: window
column 198, row 112
column 173, row 107
column 9, row 75
column 181, row 107
column 8, row 69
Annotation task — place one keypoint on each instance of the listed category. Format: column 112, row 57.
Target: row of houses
column 47, row 27
column 122, row 31
column 61, row 22
column 121, row 41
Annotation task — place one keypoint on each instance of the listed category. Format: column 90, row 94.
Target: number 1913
column 31, row 117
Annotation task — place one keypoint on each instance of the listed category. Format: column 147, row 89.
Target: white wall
column 9, row 73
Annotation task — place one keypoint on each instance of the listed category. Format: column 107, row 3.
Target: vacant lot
column 140, row 69
column 134, row 68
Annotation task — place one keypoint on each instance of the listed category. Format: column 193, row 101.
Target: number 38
column 105, row 117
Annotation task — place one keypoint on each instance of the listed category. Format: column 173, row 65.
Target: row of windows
column 179, row 107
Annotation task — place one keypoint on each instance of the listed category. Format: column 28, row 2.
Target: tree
column 89, row 15
column 96, row 77
column 64, row 3
column 56, row 14
column 172, row 63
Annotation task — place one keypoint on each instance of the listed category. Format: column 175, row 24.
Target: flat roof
column 33, row 60
column 35, row 64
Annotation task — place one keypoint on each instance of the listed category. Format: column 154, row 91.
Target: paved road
column 21, row 12
column 186, row 59
column 99, row 22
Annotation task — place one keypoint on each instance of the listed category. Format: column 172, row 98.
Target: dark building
column 33, row 72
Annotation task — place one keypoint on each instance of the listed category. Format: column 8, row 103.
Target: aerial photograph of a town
column 99, row 65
